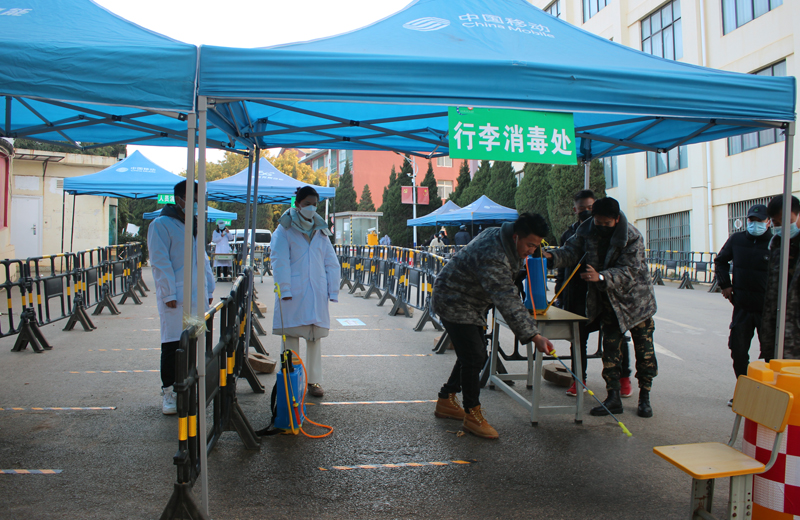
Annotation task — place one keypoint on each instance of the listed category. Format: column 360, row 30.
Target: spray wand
column 624, row 428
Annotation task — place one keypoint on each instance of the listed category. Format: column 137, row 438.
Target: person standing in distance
column 620, row 296
column 305, row 267
column 479, row 277
column 463, row 237
column 165, row 240
column 782, row 231
column 221, row 238
column 749, row 251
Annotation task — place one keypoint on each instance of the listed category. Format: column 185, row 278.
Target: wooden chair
column 768, row 406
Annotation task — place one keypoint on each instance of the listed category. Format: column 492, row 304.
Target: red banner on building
column 407, row 196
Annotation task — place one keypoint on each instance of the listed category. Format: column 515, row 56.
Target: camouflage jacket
column 479, row 276
column 769, row 320
column 627, row 280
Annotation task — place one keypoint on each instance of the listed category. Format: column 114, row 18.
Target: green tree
column 503, row 185
column 477, row 186
column 366, row 203
column 531, row 196
column 346, row 196
column 106, row 151
column 565, row 181
column 435, row 202
column 395, row 213
column 462, row 182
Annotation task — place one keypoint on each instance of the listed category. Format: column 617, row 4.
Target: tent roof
column 137, row 177
column 432, row 217
column 212, row 214
column 385, row 85
column 274, row 187
column 482, row 211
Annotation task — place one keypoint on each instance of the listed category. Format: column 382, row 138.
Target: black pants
column 584, row 330
column 469, row 342
column 168, row 363
column 743, row 325
column 223, row 271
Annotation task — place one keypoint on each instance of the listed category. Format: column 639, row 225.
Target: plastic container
column 296, row 380
column 536, row 274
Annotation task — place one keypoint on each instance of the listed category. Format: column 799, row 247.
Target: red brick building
column 373, row 168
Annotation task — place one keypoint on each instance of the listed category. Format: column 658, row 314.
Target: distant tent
column 213, row 214
column 482, row 211
column 137, row 177
column 274, row 187
column 434, row 217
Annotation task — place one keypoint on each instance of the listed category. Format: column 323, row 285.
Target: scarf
column 291, row 218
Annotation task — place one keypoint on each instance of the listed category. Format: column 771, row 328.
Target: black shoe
column 612, row 402
column 644, row 410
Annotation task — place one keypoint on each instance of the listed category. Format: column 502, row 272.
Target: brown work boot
column 449, row 408
column 475, row 423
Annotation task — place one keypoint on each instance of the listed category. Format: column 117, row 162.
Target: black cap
column 759, row 211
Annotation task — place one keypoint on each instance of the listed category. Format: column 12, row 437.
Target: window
column 554, row 9
column 737, row 213
column 444, row 162
column 662, row 33
column 661, row 163
column 610, row 171
column 736, row 13
column 591, row 8
column 444, row 188
column 344, row 156
column 669, row 232
column 743, row 143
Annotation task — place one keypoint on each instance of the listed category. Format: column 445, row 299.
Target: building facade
column 693, row 197
column 38, row 205
column 373, row 168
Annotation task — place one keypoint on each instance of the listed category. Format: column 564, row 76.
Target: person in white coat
column 165, row 241
column 306, row 269
column 221, row 238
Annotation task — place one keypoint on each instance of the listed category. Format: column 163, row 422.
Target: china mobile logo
column 427, row 24
column 122, row 169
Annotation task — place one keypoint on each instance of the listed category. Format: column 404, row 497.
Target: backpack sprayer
column 288, row 414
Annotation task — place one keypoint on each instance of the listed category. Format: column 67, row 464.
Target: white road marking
column 678, row 323
column 661, row 350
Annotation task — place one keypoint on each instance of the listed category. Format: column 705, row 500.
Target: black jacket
column 573, row 298
column 750, row 256
column 462, row 238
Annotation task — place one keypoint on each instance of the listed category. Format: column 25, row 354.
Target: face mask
column 584, row 215
column 756, row 228
column 308, row 211
column 605, row 231
column 793, row 230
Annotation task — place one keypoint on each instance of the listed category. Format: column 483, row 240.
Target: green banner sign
column 226, row 221
column 166, row 198
column 495, row 134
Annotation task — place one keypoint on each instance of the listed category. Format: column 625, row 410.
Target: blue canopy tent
column 274, row 187
column 482, row 211
column 212, row 215
column 432, row 218
column 137, row 177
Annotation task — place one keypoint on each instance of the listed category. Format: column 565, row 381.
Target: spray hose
column 301, row 408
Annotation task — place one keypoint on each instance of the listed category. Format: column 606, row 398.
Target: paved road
column 119, row 462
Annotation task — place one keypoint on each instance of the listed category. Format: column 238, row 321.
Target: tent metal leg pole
column 787, row 207
column 202, row 300
column 587, row 181
column 249, row 316
column 246, row 230
column 63, row 210
column 72, row 233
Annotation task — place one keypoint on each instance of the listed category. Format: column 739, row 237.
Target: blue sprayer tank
column 296, row 380
column 537, row 272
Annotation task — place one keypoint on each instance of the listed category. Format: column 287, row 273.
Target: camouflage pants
column 613, row 338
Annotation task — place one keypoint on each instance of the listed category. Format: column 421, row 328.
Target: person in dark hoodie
column 620, row 296
column 749, row 251
column 481, row 276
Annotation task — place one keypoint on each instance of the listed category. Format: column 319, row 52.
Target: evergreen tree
column 503, row 184
column 435, row 203
column 477, row 186
column 366, row 203
column 395, row 213
column 462, row 182
column 531, row 196
column 565, row 181
column 346, row 193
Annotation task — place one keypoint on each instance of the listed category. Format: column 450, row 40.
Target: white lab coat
column 221, row 246
column 165, row 242
column 309, row 273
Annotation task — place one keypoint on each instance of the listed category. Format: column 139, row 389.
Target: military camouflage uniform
column 791, row 341
column 623, row 302
column 479, row 276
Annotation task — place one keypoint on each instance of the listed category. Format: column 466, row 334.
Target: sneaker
column 315, row 390
column 625, row 389
column 168, row 404
column 449, row 408
column 475, row 423
column 573, row 390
